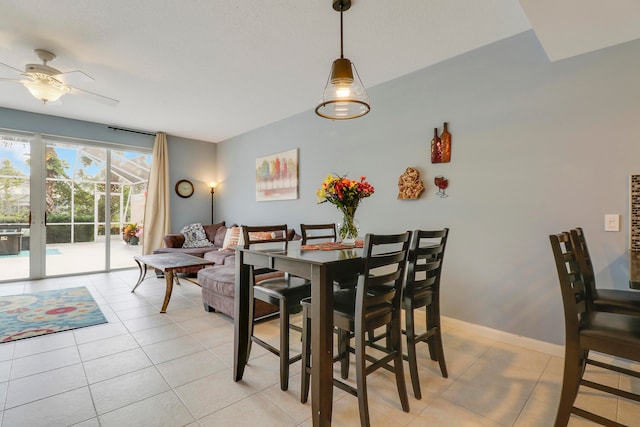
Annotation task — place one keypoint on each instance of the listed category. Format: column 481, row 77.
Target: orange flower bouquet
column 346, row 194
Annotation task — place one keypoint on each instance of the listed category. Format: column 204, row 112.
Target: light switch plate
column 611, row 222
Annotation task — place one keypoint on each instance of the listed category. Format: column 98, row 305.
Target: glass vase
column 348, row 227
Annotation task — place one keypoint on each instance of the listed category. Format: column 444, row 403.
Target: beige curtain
column 157, row 221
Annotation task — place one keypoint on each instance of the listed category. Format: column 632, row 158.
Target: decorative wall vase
column 445, row 140
column 436, row 147
column 410, row 185
column 441, row 146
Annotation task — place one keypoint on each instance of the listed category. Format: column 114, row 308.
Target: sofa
column 218, row 281
column 215, row 234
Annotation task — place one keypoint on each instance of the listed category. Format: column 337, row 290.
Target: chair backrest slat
column 385, row 260
column 426, row 255
column 572, row 288
column 324, row 232
column 261, row 234
column 270, row 236
column 583, row 258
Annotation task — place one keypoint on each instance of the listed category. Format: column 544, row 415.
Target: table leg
column 168, row 277
column 321, row 346
column 241, row 317
column 143, row 273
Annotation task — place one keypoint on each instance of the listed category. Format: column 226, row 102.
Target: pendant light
column 344, row 95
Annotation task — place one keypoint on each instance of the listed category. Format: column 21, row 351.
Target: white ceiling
column 213, row 69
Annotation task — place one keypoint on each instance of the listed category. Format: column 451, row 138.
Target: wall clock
column 184, row 188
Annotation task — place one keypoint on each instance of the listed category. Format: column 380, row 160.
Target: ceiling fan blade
column 12, row 67
column 95, row 96
column 9, row 80
column 74, row 77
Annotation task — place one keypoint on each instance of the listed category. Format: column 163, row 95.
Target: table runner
column 331, row 246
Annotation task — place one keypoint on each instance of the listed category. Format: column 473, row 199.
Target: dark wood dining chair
column 323, row 232
column 284, row 291
column 422, row 289
column 612, row 334
column 374, row 303
column 610, row 300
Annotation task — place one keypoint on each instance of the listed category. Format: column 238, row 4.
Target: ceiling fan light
column 46, row 90
column 344, row 96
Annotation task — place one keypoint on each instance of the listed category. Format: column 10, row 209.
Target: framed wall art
column 277, row 176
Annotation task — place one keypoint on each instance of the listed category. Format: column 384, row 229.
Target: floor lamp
column 212, row 185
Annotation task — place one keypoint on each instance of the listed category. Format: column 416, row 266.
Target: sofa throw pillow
column 211, row 230
column 233, row 237
column 194, row 236
column 221, row 232
column 262, row 235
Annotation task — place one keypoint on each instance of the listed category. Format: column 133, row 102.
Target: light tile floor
column 144, row 368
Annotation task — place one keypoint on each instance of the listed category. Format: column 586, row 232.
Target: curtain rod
column 131, row 130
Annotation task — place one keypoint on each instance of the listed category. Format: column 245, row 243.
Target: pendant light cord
column 341, row 49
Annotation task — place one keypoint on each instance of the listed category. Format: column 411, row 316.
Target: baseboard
column 505, row 337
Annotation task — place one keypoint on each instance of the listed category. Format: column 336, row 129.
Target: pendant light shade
column 344, row 96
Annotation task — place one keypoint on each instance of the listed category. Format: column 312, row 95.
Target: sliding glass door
column 15, row 206
column 79, row 198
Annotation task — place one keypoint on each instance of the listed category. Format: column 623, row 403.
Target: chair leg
column 252, row 310
column 573, row 369
column 440, row 351
column 411, row 352
column 436, row 349
column 361, row 376
column 306, row 355
column 431, row 323
column 343, row 352
column 284, row 345
column 398, row 368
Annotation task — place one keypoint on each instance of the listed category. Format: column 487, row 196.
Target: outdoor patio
column 72, row 258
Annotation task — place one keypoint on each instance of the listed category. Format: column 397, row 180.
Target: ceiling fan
column 48, row 84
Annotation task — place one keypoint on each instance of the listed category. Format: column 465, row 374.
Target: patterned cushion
column 262, row 235
column 194, row 236
column 232, row 238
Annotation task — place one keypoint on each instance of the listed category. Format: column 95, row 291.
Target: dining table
column 321, row 267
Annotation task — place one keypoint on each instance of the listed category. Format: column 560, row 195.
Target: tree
column 14, row 193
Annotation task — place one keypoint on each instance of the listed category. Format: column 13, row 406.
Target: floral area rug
column 40, row 313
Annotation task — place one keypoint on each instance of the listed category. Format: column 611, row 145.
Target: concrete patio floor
column 72, row 258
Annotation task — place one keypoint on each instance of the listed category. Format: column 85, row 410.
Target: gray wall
column 195, row 161
column 188, row 158
column 538, row 147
